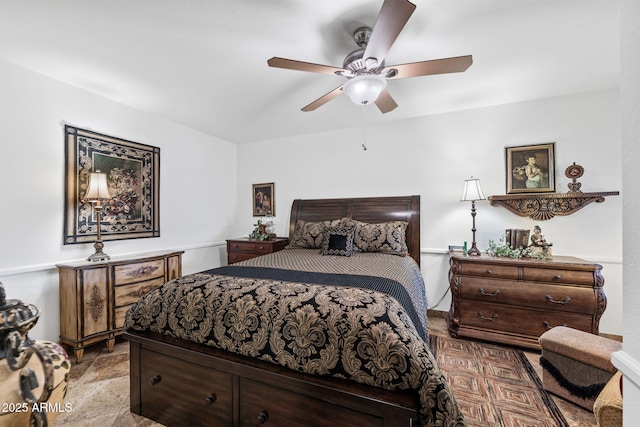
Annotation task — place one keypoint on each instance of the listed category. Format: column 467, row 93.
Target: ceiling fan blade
column 291, row 64
column 385, row 102
column 323, row 99
column 426, row 68
column 391, row 20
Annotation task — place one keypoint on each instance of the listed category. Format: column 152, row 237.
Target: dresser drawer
column 283, row 408
column 488, row 270
column 128, row 294
column 135, row 272
column 525, row 322
column 535, row 295
column 552, row 275
column 179, row 393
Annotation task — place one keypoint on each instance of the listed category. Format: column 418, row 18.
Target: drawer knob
column 155, row 380
column 260, row 247
column 263, row 417
column 550, row 298
column 490, row 319
column 487, row 294
column 557, row 277
column 489, row 271
column 210, row 399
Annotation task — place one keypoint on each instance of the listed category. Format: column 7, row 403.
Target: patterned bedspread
column 359, row 334
column 403, row 270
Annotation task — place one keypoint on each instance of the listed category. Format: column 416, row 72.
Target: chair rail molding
column 544, row 206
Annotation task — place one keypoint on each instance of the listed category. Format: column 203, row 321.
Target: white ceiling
column 203, row 63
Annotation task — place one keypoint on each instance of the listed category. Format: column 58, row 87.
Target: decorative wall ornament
column 542, row 207
column 133, row 175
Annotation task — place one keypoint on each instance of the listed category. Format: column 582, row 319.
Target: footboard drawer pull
column 263, row 417
column 210, row 399
column 566, row 300
column 548, row 325
column 491, row 319
column 487, row 294
column 155, row 380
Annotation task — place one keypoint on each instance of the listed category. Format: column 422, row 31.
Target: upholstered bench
column 576, row 365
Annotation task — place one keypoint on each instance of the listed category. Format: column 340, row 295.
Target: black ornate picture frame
column 531, row 168
column 133, row 176
column 264, row 199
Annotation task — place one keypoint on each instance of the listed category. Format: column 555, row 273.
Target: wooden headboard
column 365, row 209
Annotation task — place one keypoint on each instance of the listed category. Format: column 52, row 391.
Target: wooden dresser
column 514, row 301
column 95, row 296
column 242, row 249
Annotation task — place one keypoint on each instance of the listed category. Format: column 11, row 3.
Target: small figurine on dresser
column 539, row 245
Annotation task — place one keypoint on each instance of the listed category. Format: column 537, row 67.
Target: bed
column 331, row 331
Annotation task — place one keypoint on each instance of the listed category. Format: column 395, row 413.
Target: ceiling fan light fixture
column 365, row 88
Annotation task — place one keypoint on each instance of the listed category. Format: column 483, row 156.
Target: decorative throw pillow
column 308, row 235
column 338, row 241
column 386, row 237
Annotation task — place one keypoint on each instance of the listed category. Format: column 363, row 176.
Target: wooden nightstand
column 95, row 296
column 242, row 249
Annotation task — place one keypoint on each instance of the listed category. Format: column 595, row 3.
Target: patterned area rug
column 495, row 386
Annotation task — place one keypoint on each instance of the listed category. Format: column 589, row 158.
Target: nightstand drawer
column 244, row 249
column 250, row 247
column 130, row 273
column 237, row 257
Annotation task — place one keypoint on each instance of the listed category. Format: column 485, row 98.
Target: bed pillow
column 385, row 237
column 337, row 241
column 308, row 235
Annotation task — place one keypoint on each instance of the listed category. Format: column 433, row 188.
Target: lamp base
column 98, row 255
column 474, row 251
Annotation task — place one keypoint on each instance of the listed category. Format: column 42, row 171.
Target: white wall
column 432, row 156
column 629, row 360
column 197, row 186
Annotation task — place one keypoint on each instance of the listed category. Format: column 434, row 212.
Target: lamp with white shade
column 471, row 193
column 98, row 192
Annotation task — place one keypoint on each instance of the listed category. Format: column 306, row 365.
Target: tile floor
column 99, row 390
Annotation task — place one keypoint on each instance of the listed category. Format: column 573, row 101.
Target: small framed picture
column 264, row 199
column 531, row 168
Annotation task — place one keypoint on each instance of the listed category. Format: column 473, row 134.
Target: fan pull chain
column 364, row 136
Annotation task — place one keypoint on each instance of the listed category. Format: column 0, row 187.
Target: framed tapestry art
column 531, row 168
column 264, row 199
column 133, row 178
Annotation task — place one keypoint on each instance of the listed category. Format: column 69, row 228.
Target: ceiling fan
column 365, row 68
